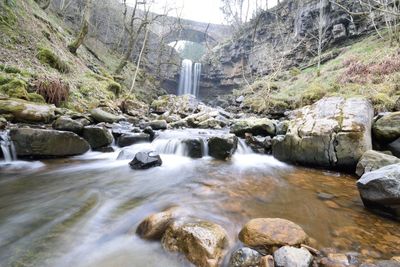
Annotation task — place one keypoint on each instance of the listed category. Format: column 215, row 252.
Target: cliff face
column 281, row 38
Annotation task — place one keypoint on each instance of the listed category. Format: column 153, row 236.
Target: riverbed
column 83, row 211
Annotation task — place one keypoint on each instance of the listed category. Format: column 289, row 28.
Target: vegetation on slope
column 369, row 67
column 36, row 64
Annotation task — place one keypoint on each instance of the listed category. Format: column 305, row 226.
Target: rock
column 267, row 261
column 394, row 147
column 332, row 133
column 325, row 196
column 148, row 130
column 38, row 143
column 222, row 147
column 387, row 128
column 395, row 258
column 334, row 260
column 145, row 160
column 212, row 123
column 158, row 125
column 134, row 108
column 339, row 32
column 245, row 257
column 102, row 116
column 373, row 160
column 64, row 123
column 254, row 126
column 379, row 190
column 181, row 105
column 259, row 144
column 202, row 243
column 97, row 136
column 155, row 225
column 23, row 111
column 292, row 257
column 195, row 147
column 282, row 127
column 3, row 123
column 106, row 149
column 129, row 139
column 272, row 232
column 240, row 99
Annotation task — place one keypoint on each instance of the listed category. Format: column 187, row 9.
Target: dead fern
column 53, row 89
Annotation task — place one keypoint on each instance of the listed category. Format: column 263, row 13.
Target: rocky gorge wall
column 281, row 38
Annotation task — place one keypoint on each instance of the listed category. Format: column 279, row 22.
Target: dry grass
column 53, row 89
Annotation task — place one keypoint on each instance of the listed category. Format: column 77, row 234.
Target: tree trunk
column 73, row 47
column 140, row 57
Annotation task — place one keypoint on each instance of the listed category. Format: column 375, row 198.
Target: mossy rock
column 14, row 88
column 34, row 97
column 114, row 87
column 48, row 57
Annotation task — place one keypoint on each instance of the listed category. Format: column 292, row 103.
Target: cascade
column 189, row 80
column 7, row 147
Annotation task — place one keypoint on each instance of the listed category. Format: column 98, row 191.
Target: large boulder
column 97, row 136
column 380, row 190
column 202, row 242
column 23, row 111
column 268, row 233
column 245, row 257
column 373, row 160
column 158, row 124
column 129, row 139
column 38, row 143
column 332, row 133
column 145, row 160
column 292, row 257
column 222, row 147
column 254, row 126
column 100, row 115
column 387, row 128
column 65, row 123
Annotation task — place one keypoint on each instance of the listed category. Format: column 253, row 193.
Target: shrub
column 47, row 57
column 52, row 89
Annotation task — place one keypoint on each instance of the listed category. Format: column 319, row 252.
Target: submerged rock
column 102, row 116
column 23, row 111
column 38, row 143
column 245, row 257
column 65, row 123
column 146, row 160
column 387, row 128
column 379, row 190
column 292, row 257
column 97, row 136
column 202, row 243
column 332, row 133
column 272, row 232
column 255, row 126
column 373, row 160
column 129, row 139
column 155, row 225
column 222, row 147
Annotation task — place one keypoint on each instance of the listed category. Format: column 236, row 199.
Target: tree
column 84, row 29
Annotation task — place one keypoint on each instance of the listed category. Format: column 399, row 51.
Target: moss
column 13, row 84
column 34, row 97
column 47, row 57
column 18, row 92
column 4, row 80
column 114, row 87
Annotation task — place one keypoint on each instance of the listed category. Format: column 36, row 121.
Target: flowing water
column 83, row 211
column 189, row 80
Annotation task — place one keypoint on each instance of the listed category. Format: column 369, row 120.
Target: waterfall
column 189, row 80
column 196, row 79
column 7, row 147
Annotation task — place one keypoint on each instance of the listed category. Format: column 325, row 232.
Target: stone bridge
column 171, row 29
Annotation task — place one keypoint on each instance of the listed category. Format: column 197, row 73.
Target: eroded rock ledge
column 332, row 133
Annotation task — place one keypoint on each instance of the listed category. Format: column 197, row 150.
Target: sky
column 199, row 10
